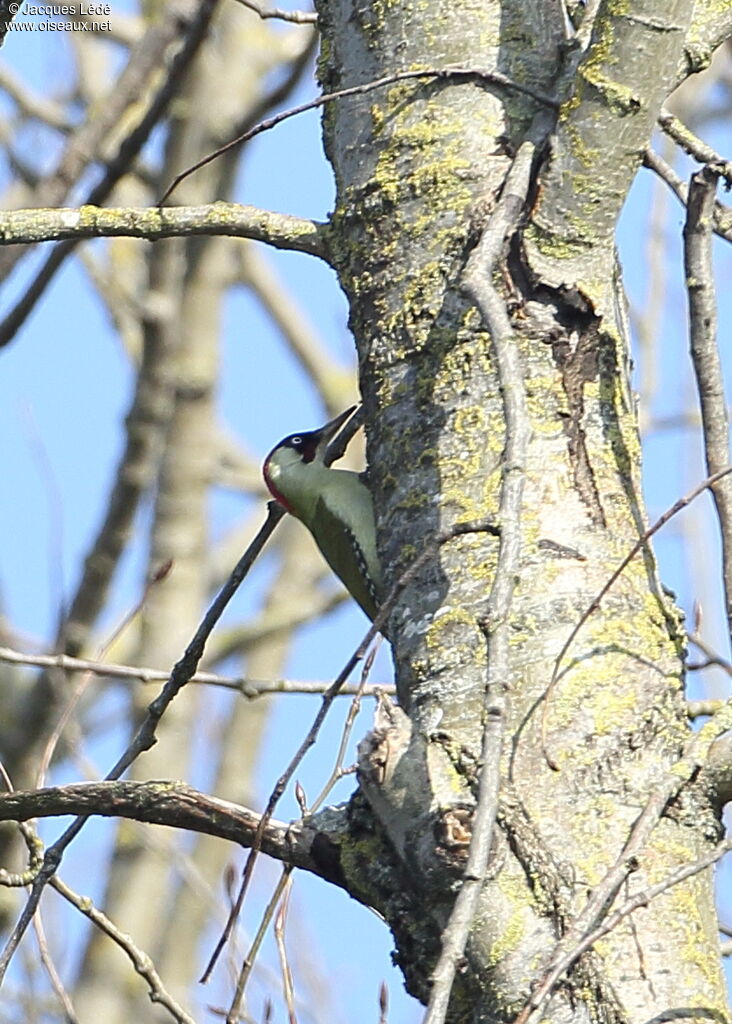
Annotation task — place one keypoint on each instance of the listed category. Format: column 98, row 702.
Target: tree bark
column 419, row 167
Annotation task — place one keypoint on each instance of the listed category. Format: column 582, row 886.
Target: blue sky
column 64, row 390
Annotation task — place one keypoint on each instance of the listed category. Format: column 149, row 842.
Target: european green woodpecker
column 334, row 504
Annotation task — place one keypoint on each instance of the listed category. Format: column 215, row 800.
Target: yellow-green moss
column 439, row 633
column 413, row 501
column 514, row 929
column 546, row 401
column 585, row 154
column 592, row 69
column 408, row 554
column 401, row 169
column 553, row 246
column 512, row 932
column 570, row 105
column 618, row 96
column 689, row 929
column 596, row 681
column 353, row 855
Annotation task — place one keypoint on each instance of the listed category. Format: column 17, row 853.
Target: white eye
column 296, row 440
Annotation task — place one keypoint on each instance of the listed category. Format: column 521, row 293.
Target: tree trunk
column 419, row 167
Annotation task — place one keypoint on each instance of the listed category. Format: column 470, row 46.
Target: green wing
column 356, row 565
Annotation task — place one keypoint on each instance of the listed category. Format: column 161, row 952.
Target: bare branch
column 140, row 960
column 695, row 147
column 280, row 923
column 381, row 619
column 722, row 222
column 297, row 17
column 151, row 223
column 34, row 845
column 710, row 27
column 705, row 356
column 249, row 688
column 297, row 330
column 712, row 656
column 571, row 946
column 35, row 850
column 85, row 145
column 82, row 684
column 234, row 1016
column 478, row 284
column 145, row 736
column 51, row 970
column 32, row 104
column 361, row 690
column 145, row 427
column 164, row 802
column 438, row 74
column 196, row 27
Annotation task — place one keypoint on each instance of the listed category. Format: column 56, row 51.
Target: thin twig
column 234, row 1016
column 141, row 961
column 597, row 600
column 353, row 711
column 85, row 680
column 712, row 656
column 34, row 846
column 705, row 356
column 694, row 146
column 279, row 930
column 283, row 87
column 437, row 74
column 249, row 688
column 479, row 286
column 298, row 17
column 35, row 859
column 644, row 897
column 55, row 978
column 425, row 556
column 567, row 950
column 656, row 163
column 132, row 143
column 145, row 735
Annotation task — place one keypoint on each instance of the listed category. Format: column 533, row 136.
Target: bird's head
column 289, row 462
